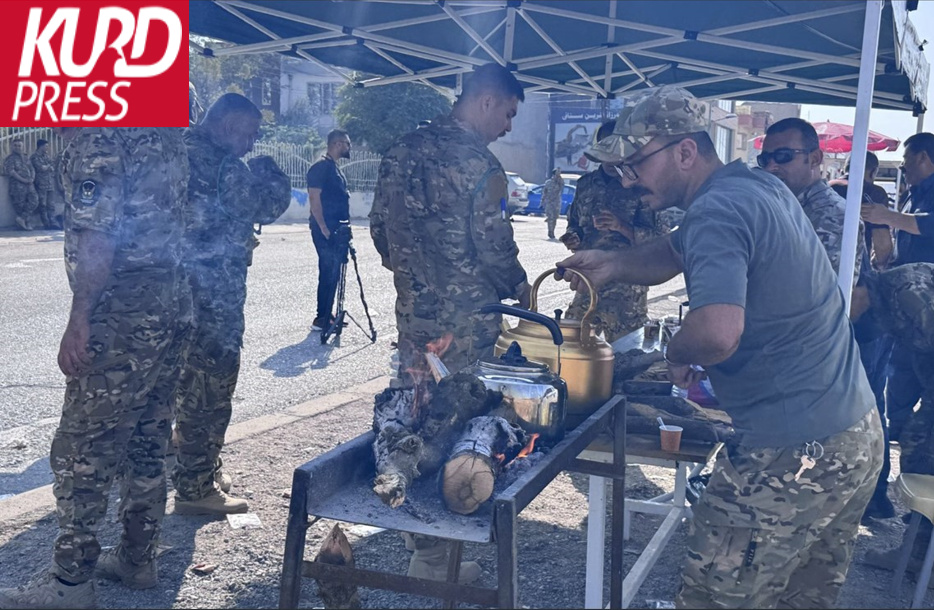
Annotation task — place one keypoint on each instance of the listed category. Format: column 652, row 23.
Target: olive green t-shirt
column 796, row 375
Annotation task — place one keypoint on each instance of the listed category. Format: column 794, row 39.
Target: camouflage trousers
column 472, row 340
column 23, row 197
column 116, row 419
column 760, row 539
column 203, row 410
column 916, row 441
column 621, row 309
column 44, row 205
column 551, row 219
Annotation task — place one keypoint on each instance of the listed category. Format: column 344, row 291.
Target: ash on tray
column 517, row 468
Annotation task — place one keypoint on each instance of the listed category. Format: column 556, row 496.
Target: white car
column 518, row 192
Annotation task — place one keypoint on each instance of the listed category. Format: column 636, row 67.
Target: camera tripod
column 335, row 328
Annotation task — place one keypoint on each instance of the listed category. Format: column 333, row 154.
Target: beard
column 345, row 154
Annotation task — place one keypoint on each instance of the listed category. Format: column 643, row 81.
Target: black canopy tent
column 780, row 51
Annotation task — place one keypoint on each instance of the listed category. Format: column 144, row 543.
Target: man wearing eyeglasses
column 606, row 216
column 778, row 520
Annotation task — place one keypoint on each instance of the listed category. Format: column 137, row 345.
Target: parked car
column 518, row 192
column 535, row 200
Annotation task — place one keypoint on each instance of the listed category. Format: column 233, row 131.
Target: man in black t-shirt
column 329, row 204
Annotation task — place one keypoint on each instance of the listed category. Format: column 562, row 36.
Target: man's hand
column 325, row 231
column 605, row 220
column 525, row 297
column 600, row 267
column 73, row 354
column 876, row 214
column 571, row 240
column 684, row 375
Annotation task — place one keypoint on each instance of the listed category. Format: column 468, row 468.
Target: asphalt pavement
column 283, row 361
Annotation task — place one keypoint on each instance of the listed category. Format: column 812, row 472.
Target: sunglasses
column 628, row 170
column 781, row 155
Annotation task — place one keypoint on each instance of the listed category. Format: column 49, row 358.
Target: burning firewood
column 470, row 474
column 336, row 551
column 413, row 439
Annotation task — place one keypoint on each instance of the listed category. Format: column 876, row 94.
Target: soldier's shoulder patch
column 87, row 192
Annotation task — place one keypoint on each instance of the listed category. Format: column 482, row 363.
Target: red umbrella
column 838, row 138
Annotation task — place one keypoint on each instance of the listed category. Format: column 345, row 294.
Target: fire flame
column 419, row 389
column 499, row 457
column 439, row 346
column 528, row 448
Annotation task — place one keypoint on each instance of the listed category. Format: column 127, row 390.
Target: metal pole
column 854, row 194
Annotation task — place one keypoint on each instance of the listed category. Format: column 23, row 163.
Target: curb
column 41, row 498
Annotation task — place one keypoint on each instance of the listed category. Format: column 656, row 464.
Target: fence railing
column 360, row 170
column 30, row 136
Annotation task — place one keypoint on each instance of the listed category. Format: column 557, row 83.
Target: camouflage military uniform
column 551, row 201
column 825, row 210
column 750, row 546
column 437, row 224
column 903, row 302
column 130, row 184
column 226, row 197
column 44, row 184
column 22, row 194
column 621, row 308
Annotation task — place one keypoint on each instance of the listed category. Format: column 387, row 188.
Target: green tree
column 296, row 125
column 377, row 116
column 214, row 76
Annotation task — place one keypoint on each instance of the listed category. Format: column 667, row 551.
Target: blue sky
column 895, row 123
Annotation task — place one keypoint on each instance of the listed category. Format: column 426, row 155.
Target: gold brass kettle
column 584, row 361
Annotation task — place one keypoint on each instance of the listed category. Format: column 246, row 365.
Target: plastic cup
column 671, row 438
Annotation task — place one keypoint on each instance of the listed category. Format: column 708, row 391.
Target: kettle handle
column 588, row 338
column 525, row 314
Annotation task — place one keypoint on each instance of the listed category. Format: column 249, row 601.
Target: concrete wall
column 360, row 204
column 7, row 216
column 524, row 150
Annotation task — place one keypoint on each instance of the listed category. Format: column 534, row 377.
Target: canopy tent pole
column 854, row 192
column 920, row 127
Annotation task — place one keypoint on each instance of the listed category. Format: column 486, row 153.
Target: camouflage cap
column 659, row 111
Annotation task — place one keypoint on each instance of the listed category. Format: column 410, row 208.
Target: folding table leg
column 455, row 550
column 619, row 506
column 506, row 554
column 596, row 540
column 291, row 585
column 907, row 546
column 925, row 576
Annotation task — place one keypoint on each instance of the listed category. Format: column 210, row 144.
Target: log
column 397, row 448
column 414, row 440
column 455, row 401
column 708, row 425
column 336, row 550
column 632, row 363
column 468, row 478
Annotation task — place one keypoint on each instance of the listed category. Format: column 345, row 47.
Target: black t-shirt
column 335, row 199
column 919, row 248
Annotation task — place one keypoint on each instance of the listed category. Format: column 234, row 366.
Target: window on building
column 722, row 143
column 322, row 97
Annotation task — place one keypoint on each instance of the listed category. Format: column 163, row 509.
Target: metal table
column 336, row 485
column 688, row 461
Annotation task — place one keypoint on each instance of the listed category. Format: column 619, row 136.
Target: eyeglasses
column 627, row 171
column 780, row 155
